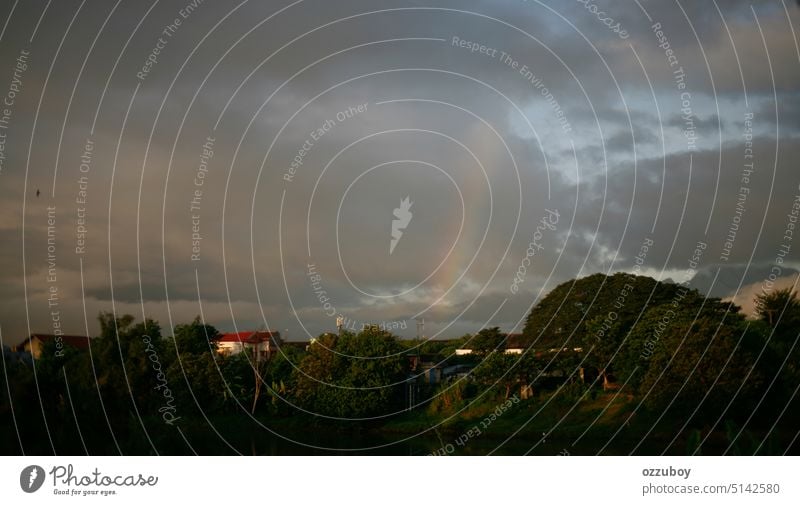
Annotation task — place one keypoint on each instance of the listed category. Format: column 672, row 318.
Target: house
column 434, row 373
column 417, row 360
column 431, row 373
column 12, row 356
column 514, row 344
column 35, row 343
column 297, row 344
column 459, row 371
column 261, row 344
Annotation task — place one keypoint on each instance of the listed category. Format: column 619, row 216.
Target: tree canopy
column 353, row 375
column 560, row 319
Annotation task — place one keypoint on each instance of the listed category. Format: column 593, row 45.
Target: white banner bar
column 401, row 480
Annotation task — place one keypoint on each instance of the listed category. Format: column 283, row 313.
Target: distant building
column 35, row 343
column 514, row 344
column 564, row 349
column 457, row 371
column 301, row 345
column 261, row 344
column 12, row 356
column 431, row 373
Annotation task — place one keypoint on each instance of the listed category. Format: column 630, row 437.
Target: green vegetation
column 347, row 376
column 619, row 363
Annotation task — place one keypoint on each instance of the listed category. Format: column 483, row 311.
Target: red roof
column 249, row 337
column 76, row 341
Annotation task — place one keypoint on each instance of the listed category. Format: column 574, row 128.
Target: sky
column 247, row 161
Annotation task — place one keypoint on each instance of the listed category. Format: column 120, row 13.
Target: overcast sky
column 632, row 123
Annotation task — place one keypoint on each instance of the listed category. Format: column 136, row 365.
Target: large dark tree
column 700, row 361
column 560, row 319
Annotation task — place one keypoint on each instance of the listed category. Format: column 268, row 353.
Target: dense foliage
column 671, row 354
column 353, row 375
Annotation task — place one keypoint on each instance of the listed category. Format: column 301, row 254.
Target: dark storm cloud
column 706, row 126
column 253, row 221
column 788, row 110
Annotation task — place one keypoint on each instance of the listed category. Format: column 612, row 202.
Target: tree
column 195, row 337
column 353, row 375
column 596, row 314
column 128, row 358
column 319, row 366
column 780, row 311
column 486, row 341
column 196, row 380
column 499, row 370
column 700, row 358
column 601, row 341
column 280, row 374
column 560, row 319
column 779, row 306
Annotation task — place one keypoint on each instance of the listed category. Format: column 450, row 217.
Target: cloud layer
column 488, row 115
